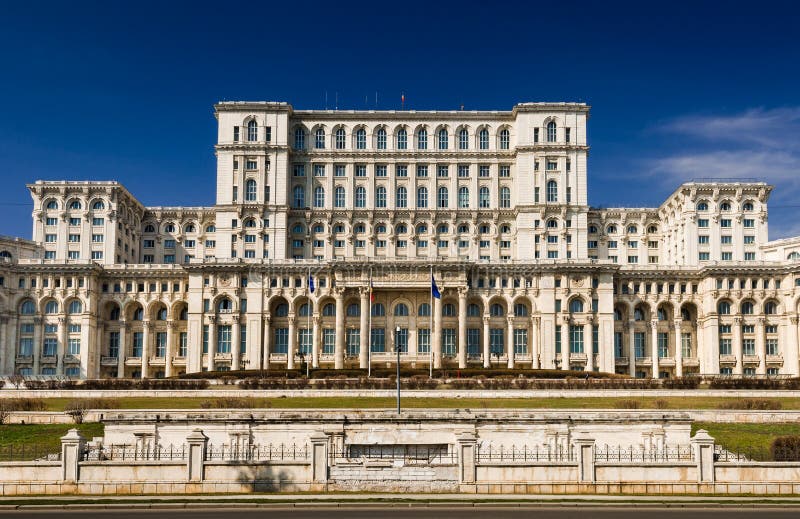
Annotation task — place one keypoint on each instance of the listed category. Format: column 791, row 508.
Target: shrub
column 754, row 383
column 627, row 404
column 23, row 404
column 227, row 403
column 681, row 383
column 786, row 448
column 751, row 404
column 660, row 403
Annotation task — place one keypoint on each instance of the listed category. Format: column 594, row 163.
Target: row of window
column 725, row 256
column 137, row 343
column 170, row 227
column 72, row 221
column 725, row 206
column 401, row 170
column 251, row 130
column 75, row 205
column 631, row 229
column 400, row 139
column 747, row 308
column 400, row 199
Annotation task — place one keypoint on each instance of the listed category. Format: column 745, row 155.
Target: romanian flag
column 371, row 293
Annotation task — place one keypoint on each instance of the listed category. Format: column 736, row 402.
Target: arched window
column 319, row 139
column 299, row 199
column 496, row 310
column 552, row 191
column 551, row 131
column 747, row 308
column 793, row 256
column 184, row 315
column 592, row 229
column 380, row 197
column 359, row 228
column 401, row 310
column 520, row 310
column 661, row 314
column 652, row 229
column 632, row 229
column 252, row 130
column 189, row 228
column 611, row 229
column 617, row 315
column 161, row 315
column 748, row 207
column 685, row 315
column 422, row 197
column 329, row 310
column 401, row 197
column 51, row 308
column 483, row 197
column 353, row 310
column 422, row 139
column 505, row 228
column 224, row 305
column 463, row 139
column 304, row 310
column 340, row 139
column 361, row 139
column 443, row 198
column 402, row 139
column 401, row 229
column 52, row 204
column 702, row 206
column 725, row 206
column 576, row 306
column 448, row 310
column 319, row 196
column 483, row 139
column 299, row 139
column 75, row 204
column 473, row 310
column 552, row 223
column 98, row 205
column 75, row 307
column 27, row 308
column 381, row 144
column 424, row 310
column 170, row 227
column 638, row 315
column 505, row 197
column 361, row 197
column 113, row 315
column 485, row 228
column 443, row 139
column 770, row 308
column 282, row 310
column 378, row 310
column 380, row 229
column 138, row 314
column 463, row 228
column 211, row 228
column 443, row 229
column 297, row 229
column 505, row 139
column 339, row 197
column 463, row 197
column 724, row 308
column 250, row 190
column 319, row 228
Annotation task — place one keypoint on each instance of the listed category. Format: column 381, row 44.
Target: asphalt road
column 583, row 512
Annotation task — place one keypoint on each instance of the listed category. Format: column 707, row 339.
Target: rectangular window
column 339, row 170
column 97, row 222
column 449, row 342
column 483, row 171
column 251, row 164
column 576, row 339
column 558, row 337
column 319, row 170
column 702, row 223
column 633, row 259
column 727, row 256
column 772, row 347
column 361, row 170
column 401, row 171
column 299, row 170
column 423, row 340
column 505, row 171
column 463, row 171
column 749, row 256
column 749, row 223
column 169, row 244
column 51, row 222
column 161, row 344
column 380, row 170
column 618, row 345
column 520, row 341
column 663, row 345
column 281, row 341
column 703, row 256
column 496, row 343
column 224, row 338
column 328, row 341
column 749, row 240
column 725, row 223
column 726, row 240
column 304, row 342
column 183, row 342
column 442, row 171
column 50, row 346
column 686, row 345
column 639, row 344
column 205, row 337
column 74, row 238
column 725, row 346
column 422, row 171
column 353, row 342
column 378, row 340
column 702, row 239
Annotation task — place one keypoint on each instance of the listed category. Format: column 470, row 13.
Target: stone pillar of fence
column 72, row 445
column 467, row 443
column 703, row 450
column 584, row 454
column 319, row 457
column 198, row 442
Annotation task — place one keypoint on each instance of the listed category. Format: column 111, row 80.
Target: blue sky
column 124, row 90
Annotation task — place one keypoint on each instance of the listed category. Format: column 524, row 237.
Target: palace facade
column 370, row 204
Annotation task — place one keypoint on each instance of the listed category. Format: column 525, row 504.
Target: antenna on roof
column 336, row 104
column 376, row 99
column 326, row 100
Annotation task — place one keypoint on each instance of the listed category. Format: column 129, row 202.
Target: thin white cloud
column 768, row 128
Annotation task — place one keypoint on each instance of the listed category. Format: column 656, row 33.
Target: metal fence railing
column 513, row 453
column 145, row 452
column 639, row 455
column 779, row 454
column 30, row 452
column 427, row 455
column 277, row 452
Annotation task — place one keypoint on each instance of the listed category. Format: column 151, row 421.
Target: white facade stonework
column 494, row 204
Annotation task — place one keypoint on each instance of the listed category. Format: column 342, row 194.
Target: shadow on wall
column 262, row 477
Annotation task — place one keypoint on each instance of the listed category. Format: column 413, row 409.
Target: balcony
column 72, row 359
column 644, row 361
column 775, row 359
column 157, row 361
column 750, row 359
column 179, row 361
column 621, row 361
column 24, row 359
column 691, row 361
column 133, row 361
column 727, row 359
column 109, row 361
column 666, row 361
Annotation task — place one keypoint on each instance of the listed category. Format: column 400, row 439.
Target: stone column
column 61, row 349
column 761, row 349
column 147, row 332
column 339, row 344
column 678, row 350
column 4, row 349
column 703, row 449
column 565, row 343
column 654, row 347
column 168, row 352
column 535, row 342
column 197, row 442
column 364, row 334
column 315, row 342
column 510, row 342
column 588, row 346
column 788, row 341
column 292, row 341
column 462, row 328
column 319, row 457
column 584, row 452
column 737, row 345
column 436, row 340
column 37, row 344
column 267, row 342
column 72, row 446
column 96, row 359
column 632, row 348
column 486, row 351
column 467, row 443
column 123, row 349
column 212, row 342
column 235, row 343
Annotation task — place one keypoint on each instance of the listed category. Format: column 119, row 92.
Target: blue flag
column 311, row 283
column 434, row 289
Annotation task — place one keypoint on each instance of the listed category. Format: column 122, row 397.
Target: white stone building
column 494, row 204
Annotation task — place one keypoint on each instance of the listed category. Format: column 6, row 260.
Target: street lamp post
column 397, row 348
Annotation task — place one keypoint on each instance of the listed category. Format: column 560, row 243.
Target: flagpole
column 430, row 332
column 369, row 334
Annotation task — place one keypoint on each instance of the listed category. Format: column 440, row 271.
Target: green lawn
column 58, row 404
column 33, row 441
column 753, row 440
